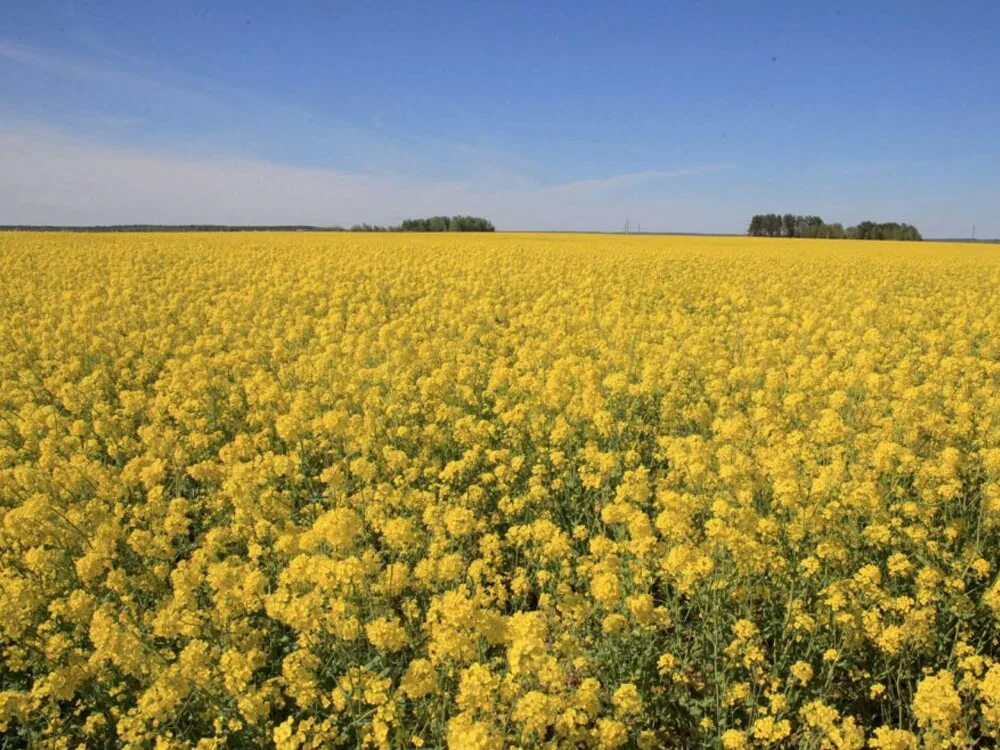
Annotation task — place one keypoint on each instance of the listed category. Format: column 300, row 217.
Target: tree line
column 790, row 225
column 431, row 224
column 446, row 224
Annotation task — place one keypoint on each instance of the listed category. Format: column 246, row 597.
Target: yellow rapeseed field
column 486, row 491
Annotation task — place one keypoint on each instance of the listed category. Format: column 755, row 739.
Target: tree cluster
column 889, row 230
column 790, row 225
column 447, row 224
column 367, row 228
column 430, row 224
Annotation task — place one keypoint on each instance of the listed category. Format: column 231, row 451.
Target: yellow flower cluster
column 498, row 491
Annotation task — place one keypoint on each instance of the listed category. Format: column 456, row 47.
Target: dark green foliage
column 370, row 228
column 446, row 224
column 789, row 225
column 870, row 230
column 766, row 225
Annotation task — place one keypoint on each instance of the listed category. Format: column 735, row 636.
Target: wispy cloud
column 24, row 55
column 57, row 177
column 633, row 179
column 49, row 178
column 63, row 66
column 221, row 118
column 52, row 178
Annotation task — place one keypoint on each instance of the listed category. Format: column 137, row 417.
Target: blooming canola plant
column 485, row 491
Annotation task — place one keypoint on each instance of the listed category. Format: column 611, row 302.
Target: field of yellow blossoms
column 489, row 491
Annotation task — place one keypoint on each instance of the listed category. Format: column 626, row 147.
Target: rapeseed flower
column 334, row 490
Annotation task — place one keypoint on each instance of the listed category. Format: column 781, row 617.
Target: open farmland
column 488, row 491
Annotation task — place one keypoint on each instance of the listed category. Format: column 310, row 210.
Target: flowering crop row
column 484, row 492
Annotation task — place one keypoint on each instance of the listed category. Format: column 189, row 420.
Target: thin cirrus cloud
column 633, row 179
column 60, row 176
column 89, row 72
column 32, row 57
column 53, row 178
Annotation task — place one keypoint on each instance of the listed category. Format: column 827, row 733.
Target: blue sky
column 684, row 116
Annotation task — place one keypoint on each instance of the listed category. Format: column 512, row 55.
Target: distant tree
column 889, row 230
column 809, row 226
column 470, row 224
column 788, row 225
column 864, row 230
column 447, row 224
column 834, row 231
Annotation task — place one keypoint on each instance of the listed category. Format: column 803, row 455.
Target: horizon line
column 338, row 229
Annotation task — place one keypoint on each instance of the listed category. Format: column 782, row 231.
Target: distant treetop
column 789, row 225
column 446, row 224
